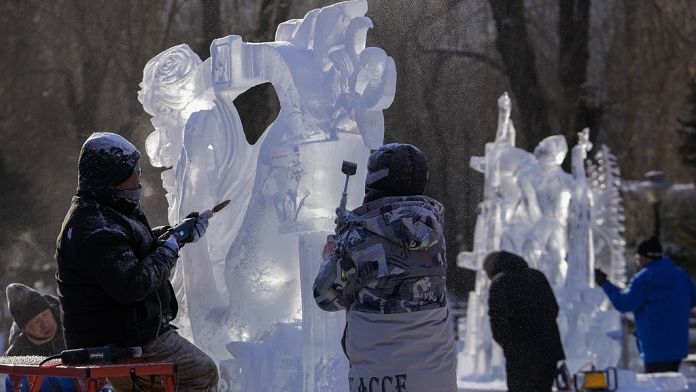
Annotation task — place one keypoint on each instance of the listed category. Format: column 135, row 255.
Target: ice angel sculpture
column 533, row 208
column 245, row 289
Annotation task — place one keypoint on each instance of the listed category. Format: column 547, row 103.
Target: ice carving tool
column 349, row 169
column 220, row 206
column 94, row 355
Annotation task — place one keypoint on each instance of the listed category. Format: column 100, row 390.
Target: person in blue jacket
column 661, row 296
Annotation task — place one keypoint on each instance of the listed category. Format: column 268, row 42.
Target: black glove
column 161, row 231
column 343, row 216
column 600, row 277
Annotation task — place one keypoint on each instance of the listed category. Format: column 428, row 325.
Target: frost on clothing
column 389, row 259
column 112, row 270
column 389, row 271
column 661, row 296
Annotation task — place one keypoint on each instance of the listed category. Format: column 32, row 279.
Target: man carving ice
column 113, row 269
column 660, row 296
column 387, row 269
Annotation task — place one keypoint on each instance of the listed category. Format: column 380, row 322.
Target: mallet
column 349, row 169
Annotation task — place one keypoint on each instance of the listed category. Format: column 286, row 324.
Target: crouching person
column 387, row 270
column 523, row 310
column 36, row 330
column 113, row 269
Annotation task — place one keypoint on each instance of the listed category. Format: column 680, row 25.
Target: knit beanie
column 500, row 261
column 396, row 170
column 106, row 160
column 650, row 248
column 24, row 303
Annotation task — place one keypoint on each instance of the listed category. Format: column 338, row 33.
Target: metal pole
column 656, row 210
column 624, row 342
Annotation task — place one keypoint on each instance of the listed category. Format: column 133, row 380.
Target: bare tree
column 577, row 110
column 520, row 66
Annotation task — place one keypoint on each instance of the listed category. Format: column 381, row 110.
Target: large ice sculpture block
column 533, row 208
column 245, row 288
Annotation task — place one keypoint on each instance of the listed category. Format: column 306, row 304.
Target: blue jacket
column 661, row 296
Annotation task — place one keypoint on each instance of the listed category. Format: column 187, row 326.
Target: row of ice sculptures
column 564, row 225
column 245, row 288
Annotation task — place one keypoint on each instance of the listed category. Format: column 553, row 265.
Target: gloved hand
column 329, row 246
column 600, row 277
column 342, row 217
column 192, row 228
column 161, row 231
column 201, row 225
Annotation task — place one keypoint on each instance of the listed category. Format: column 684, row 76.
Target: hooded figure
column 113, row 269
column 37, row 329
column 522, row 310
column 660, row 296
column 388, row 271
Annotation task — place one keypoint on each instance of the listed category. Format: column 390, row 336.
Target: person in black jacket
column 523, row 310
column 113, row 269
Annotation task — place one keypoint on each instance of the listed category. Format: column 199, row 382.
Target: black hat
column 396, row 169
column 24, row 303
column 500, row 261
column 106, row 160
column 650, row 248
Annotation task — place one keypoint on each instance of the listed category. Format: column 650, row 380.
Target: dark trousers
column 524, row 375
column 659, row 367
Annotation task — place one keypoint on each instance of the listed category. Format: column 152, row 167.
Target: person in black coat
column 522, row 310
column 113, row 270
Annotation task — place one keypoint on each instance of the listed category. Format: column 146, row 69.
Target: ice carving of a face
column 551, row 151
column 168, row 87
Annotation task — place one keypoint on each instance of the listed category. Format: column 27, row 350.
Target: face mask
column 131, row 194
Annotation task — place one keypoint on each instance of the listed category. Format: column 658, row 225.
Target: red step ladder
column 88, row 377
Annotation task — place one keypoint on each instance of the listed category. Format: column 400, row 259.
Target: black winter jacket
column 112, row 271
column 112, row 276
column 523, row 311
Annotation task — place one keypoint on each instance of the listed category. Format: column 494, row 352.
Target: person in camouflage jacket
column 387, row 270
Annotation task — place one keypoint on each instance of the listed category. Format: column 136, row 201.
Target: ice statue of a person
column 204, row 143
column 547, row 190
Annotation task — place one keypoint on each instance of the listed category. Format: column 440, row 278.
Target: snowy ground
column 646, row 383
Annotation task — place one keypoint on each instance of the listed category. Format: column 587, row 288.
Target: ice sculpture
column 245, row 288
column 608, row 215
column 534, row 208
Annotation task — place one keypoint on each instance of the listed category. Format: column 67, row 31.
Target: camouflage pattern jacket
column 388, row 270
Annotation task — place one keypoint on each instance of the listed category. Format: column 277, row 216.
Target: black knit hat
column 106, row 160
column 650, row 248
column 24, row 303
column 396, row 169
column 500, row 261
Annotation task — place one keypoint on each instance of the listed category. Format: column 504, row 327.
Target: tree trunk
column 519, row 62
column 577, row 111
column 211, row 26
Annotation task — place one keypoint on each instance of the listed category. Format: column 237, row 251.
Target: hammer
column 349, row 169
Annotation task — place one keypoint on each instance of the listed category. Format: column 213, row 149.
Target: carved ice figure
column 245, row 288
column 607, row 214
column 546, row 189
column 535, row 209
